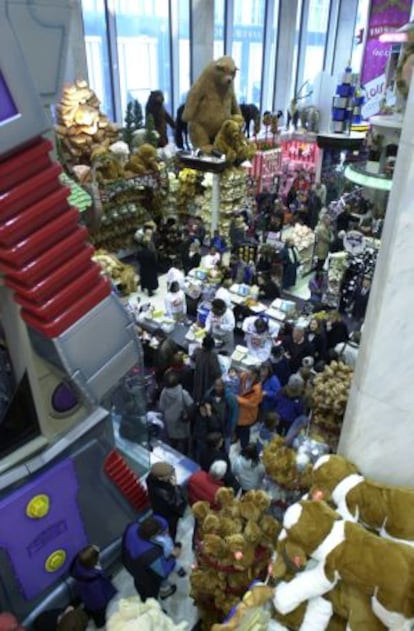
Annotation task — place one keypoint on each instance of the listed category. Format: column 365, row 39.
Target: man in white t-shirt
column 220, row 322
column 260, row 336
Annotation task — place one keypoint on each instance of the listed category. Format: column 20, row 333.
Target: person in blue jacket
column 290, row 404
column 145, row 559
column 95, row 589
column 270, row 387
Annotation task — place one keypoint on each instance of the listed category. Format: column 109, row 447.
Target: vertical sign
column 384, row 16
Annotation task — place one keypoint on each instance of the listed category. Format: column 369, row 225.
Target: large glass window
column 218, row 28
column 143, row 42
column 360, row 27
column 247, row 48
column 183, row 63
column 97, row 55
column 313, row 39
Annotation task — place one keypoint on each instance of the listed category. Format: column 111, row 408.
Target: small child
column 94, row 587
column 169, row 548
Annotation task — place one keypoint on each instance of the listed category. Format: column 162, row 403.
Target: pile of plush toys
column 284, row 467
column 233, row 547
column 329, row 398
column 344, row 560
column 120, row 273
column 135, row 615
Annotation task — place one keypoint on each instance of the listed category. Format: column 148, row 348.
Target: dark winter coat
column 288, row 406
column 166, row 499
column 145, row 561
column 206, row 371
column 94, row 588
column 147, row 260
column 208, row 456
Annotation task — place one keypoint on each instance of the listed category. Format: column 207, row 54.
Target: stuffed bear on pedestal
column 211, row 101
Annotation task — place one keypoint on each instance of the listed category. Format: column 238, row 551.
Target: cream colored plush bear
column 134, row 615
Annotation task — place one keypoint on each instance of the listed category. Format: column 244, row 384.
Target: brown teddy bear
column 144, row 160
column 155, row 108
column 211, row 101
column 387, row 509
column 380, row 569
column 231, row 141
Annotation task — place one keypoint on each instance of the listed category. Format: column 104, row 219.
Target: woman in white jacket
column 175, row 302
column 248, row 468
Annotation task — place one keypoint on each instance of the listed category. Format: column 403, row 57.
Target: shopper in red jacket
column 202, row 485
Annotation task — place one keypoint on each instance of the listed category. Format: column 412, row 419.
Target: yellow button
column 55, row 560
column 38, row 506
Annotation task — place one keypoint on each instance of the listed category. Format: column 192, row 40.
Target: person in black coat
column 213, row 451
column 206, row 368
column 336, row 331
column 296, row 348
column 290, row 261
column 268, row 287
column 361, row 298
column 316, row 338
column 166, row 497
column 147, row 260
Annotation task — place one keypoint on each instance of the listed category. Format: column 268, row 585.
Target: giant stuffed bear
column 210, row 102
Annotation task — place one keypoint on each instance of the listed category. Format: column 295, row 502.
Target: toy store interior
column 206, row 210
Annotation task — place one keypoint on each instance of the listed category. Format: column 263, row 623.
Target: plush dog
column 211, row 101
column 387, row 509
column 381, row 569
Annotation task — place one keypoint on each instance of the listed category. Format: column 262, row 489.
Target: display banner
column 384, row 16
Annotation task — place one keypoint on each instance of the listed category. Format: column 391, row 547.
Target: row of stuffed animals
column 344, row 557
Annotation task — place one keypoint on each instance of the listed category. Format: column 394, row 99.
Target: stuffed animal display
column 120, row 272
column 231, row 141
column 155, row 108
column 282, row 466
column 233, row 547
column 135, row 615
column 329, row 399
column 210, row 102
column 342, row 551
column 143, row 160
column 389, row 510
column 81, row 127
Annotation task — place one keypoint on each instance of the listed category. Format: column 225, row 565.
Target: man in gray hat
column 166, row 497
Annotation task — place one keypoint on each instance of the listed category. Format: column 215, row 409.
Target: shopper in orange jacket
column 249, row 400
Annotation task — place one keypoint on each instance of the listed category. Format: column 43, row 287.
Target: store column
column 378, row 430
column 202, row 35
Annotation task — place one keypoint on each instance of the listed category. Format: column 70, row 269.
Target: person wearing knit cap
column 166, row 497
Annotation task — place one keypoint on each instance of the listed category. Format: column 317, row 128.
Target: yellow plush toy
column 211, row 101
column 144, row 160
column 387, row 509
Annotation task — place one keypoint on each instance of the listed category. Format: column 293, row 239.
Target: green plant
column 133, row 121
column 151, row 137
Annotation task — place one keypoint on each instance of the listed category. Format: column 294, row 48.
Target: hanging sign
column 385, row 16
column 354, row 242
